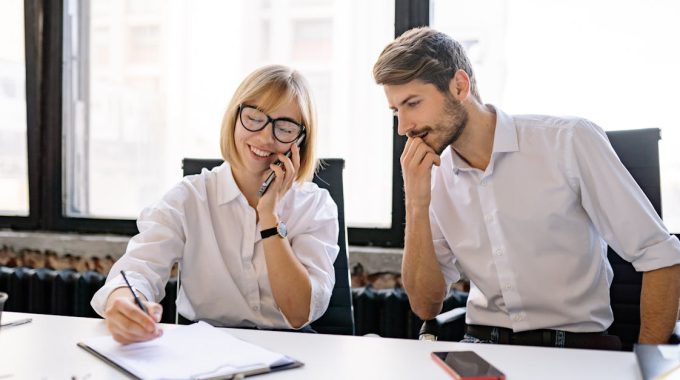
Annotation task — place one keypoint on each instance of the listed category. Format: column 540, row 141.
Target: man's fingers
column 418, row 151
column 410, row 146
column 430, row 159
column 404, row 152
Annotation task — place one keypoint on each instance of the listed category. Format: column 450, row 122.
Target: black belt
column 544, row 337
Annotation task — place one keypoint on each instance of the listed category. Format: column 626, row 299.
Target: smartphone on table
column 467, row 365
column 272, row 175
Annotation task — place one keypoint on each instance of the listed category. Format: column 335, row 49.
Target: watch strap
column 269, row 232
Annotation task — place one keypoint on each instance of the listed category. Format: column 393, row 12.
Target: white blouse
column 206, row 224
column 531, row 231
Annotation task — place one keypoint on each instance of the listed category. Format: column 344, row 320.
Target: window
column 116, row 93
column 145, row 86
column 609, row 61
column 14, row 195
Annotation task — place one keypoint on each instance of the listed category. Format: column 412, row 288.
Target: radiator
column 63, row 292
column 385, row 312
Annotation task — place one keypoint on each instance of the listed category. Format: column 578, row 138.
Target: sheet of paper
column 194, row 351
column 670, row 352
column 673, row 374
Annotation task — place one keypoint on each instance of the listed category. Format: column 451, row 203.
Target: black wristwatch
column 280, row 230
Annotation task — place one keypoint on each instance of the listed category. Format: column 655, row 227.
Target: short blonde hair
column 273, row 86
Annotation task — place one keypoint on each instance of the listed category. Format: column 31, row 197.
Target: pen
column 17, row 323
column 137, row 301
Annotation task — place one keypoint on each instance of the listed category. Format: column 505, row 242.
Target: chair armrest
column 451, row 315
column 430, row 329
column 675, row 337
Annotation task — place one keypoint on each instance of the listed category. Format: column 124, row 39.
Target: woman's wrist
column 268, row 219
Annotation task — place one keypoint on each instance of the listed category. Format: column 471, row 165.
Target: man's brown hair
column 423, row 54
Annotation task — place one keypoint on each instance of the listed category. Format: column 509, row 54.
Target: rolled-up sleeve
column 619, row 209
column 150, row 254
column 314, row 240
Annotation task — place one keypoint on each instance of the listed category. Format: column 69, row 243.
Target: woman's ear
column 459, row 85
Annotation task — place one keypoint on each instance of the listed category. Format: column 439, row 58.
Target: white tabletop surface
column 46, row 349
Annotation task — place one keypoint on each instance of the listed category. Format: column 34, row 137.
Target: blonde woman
column 247, row 260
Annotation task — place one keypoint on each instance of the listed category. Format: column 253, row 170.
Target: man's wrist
column 414, row 209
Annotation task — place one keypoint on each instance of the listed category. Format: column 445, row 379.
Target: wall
column 373, row 259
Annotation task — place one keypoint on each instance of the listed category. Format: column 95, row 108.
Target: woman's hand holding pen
column 285, row 176
column 127, row 322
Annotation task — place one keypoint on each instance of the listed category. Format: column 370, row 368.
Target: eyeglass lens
column 254, row 120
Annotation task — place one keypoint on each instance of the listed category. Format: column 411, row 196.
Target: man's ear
column 459, row 85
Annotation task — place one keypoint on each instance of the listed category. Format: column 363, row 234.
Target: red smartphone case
column 457, row 376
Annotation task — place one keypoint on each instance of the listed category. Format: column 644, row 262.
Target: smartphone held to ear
column 272, row 175
column 467, row 365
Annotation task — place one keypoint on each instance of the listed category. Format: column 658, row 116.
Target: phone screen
column 467, row 365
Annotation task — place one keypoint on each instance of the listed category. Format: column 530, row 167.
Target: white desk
column 46, row 349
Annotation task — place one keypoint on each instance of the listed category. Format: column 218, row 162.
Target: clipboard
column 198, row 351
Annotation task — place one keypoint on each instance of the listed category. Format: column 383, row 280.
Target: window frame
column 47, row 180
column 44, row 53
column 408, row 14
column 33, row 12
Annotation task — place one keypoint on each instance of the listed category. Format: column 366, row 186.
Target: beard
column 452, row 125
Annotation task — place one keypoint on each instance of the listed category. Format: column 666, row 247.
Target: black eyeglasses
column 285, row 130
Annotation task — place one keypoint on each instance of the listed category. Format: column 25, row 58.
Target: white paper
column 187, row 352
column 670, row 352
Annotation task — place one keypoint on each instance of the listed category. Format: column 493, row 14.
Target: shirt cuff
column 100, row 298
column 660, row 255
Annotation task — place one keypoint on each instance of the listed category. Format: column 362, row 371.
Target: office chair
column 638, row 150
column 339, row 317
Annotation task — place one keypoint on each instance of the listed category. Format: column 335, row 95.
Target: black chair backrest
column 638, row 150
column 339, row 318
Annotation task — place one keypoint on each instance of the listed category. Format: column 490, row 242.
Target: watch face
column 281, row 229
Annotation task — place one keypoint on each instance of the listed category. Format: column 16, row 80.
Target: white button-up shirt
column 206, row 224
column 531, row 231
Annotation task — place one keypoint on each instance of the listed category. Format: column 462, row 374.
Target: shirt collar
column 227, row 190
column 505, row 136
column 504, row 140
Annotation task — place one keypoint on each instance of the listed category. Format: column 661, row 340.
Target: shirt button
column 482, row 183
column 488, row 218
column 516, row 318
column 507, row 286
column 256, row 307
column 498, row 252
